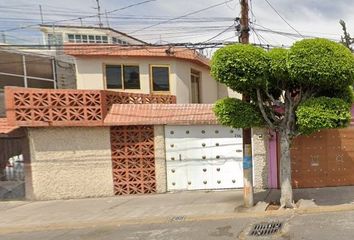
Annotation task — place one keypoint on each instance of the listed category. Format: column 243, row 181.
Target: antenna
column 40, row 11
column 99, row 14
column 105, row 11
column 3, row 37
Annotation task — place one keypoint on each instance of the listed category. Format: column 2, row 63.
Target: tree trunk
column 286, row 199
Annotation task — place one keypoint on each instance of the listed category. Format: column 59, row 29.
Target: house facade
column 92, row 143
column 177, row 71
column 107, row 59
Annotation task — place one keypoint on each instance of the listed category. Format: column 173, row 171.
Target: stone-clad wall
column 70, row 162
column 160, row 159
column 260, row 157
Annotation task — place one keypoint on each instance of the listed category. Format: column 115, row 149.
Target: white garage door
column 203, row 157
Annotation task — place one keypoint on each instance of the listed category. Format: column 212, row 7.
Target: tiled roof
column 136, row 51
column 5, row 128
column 160, row 114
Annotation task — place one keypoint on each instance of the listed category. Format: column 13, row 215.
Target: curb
column 168, row 219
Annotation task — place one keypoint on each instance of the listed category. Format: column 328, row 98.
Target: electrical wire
column 220, row 33
column 276, row 11
column 182, row 16
column 78, row 18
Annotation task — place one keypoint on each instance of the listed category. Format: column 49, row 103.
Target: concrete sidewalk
column 329, row 196
column 120, row 209
column 158, row 208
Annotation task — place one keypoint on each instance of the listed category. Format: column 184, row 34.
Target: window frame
column 152, row 81
column 71, row 38
column 197, row 75
column 104, row 39
column 122, row 76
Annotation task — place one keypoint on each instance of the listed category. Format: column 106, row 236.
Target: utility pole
column 99, row 14
column 246, row 132
column 41, row 13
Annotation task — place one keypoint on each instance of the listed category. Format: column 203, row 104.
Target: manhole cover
column 177, row 218
column 265, row 229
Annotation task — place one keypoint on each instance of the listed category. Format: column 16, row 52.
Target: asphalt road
column 338, row 225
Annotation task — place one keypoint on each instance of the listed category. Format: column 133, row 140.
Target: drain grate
column 265, row 229
column 177, row 219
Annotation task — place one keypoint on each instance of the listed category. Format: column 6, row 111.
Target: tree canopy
column 309, row 84
column 296, row 91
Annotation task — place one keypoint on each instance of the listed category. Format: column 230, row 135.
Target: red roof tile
column 160, row 114
column 5, row 128
column 92, row 50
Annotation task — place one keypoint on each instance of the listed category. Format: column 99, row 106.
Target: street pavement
column 323, row 226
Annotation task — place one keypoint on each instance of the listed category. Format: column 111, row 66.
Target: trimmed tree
column 293, row 92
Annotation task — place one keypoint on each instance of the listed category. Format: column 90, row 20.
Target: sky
column 310, row 18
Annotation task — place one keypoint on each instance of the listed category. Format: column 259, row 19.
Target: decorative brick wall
column 50, row 107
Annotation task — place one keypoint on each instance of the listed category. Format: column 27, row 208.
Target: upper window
column 55, row 39
column 98, row 39
column 122, row 77
column 79, row 38
column 119, row 41
column 71, row 37
column 160, row 77
column 91, row 39
column 114, row 77
column 84, row 38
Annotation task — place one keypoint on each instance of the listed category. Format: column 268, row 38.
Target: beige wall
column 90, row 72
column 70, row 162
column 208, row 86
column 260, row 157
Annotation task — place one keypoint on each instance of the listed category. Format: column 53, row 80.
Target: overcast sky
column 309, row 17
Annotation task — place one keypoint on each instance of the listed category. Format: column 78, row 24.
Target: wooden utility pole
column 246, row 133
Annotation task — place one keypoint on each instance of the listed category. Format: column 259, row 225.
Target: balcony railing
column 50, row 107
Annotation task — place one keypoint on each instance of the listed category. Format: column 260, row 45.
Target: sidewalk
column 329, row 196
column 158, row 208
column 119, row 210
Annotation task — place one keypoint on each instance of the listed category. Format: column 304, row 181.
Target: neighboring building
column 28, row 69
column 61, row 34
column 177, row 71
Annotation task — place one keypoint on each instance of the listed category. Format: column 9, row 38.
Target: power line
column 220, row 33
column 282, row 18
column 78, row 18
column 182, row 16
column 287, row 34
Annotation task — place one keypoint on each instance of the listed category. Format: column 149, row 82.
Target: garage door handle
column 180, row 157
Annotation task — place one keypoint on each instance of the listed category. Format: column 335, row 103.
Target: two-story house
column 109, row 59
